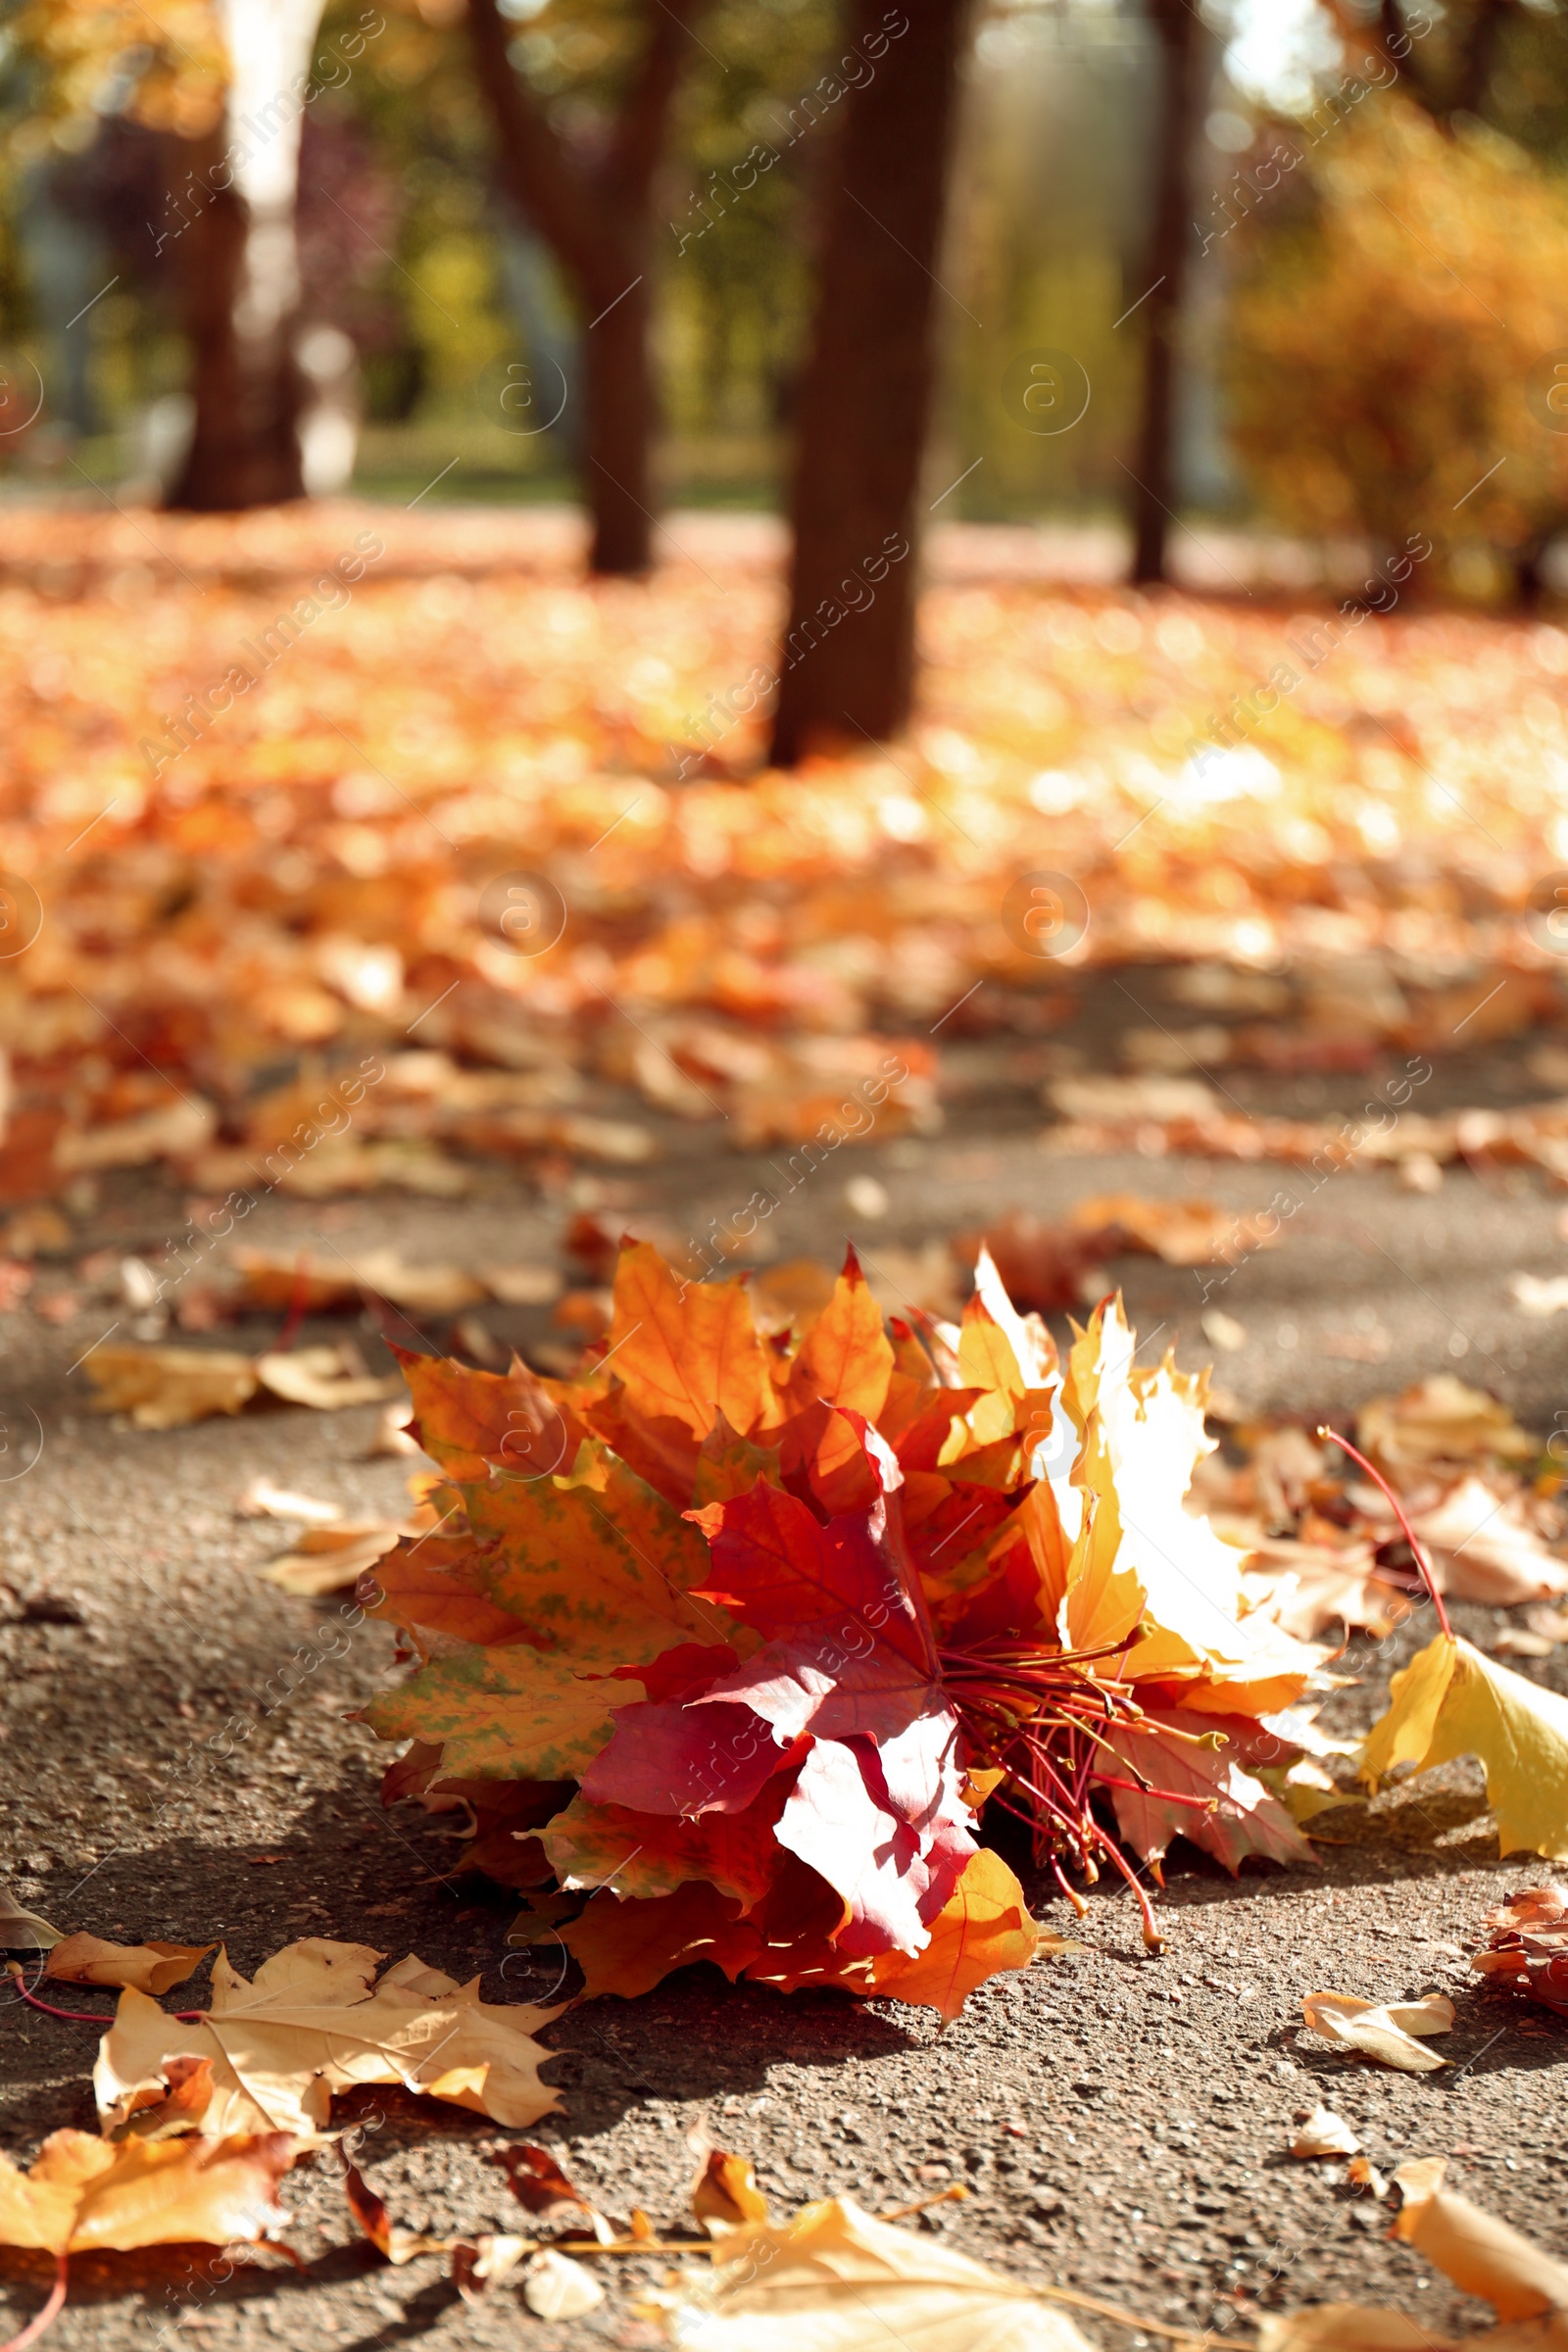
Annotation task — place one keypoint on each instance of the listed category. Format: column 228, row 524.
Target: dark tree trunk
column 1182, row 64
column 245, row 386
column 618, row 399
column 594, row 212
column 847, row 670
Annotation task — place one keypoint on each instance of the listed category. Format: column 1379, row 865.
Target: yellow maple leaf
column 1452, row 1701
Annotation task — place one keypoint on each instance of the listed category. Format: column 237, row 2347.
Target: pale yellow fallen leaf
column 310, row 2023
column 320, row 1378
column 833, row 2279
column 1538, row 1294
column 86, row 2195
column 24, row 1930
column 1525, row 2286
column 523, row 1286
column 263, row 1500
column 1479, row 2253
column 479, row 2264
column 1322, row 2133
column 1483, row 1549
column 1116, row 1098
column 555, row 2288
column 167, row 1387
column 174, row 1129
column 1441, row 1419
column 149, row 1967
column 329, row 1559
column 1382, row 2030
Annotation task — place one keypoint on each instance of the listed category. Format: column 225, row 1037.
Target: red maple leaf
column 845, row 1695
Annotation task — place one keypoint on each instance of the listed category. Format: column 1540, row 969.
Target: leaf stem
column 1122, row 2318
column 1397, row 1508
column 51, row 2310
column 80, row 2016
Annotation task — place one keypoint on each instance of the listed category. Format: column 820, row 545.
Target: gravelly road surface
column 1122, row 2120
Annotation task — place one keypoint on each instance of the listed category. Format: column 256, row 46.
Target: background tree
column 226, row 83
column 1394, row 364
column 866, row 394
column 589, row 193
column 1184, row 62
column 232, row 220
column 1447, row 66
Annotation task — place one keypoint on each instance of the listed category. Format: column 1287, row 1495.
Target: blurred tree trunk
column 1182, row 67
column 846, row 669
column 231, row 220
column 245, row 390
column 593, row 210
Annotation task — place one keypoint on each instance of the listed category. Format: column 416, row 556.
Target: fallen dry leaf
column 523, row 1286
column 263, row 1500
column 1544, row 1629
column 1539, row 1296
column 555, row 2288
column 539, row 2185
column 86, row 2196
column 176, row 1131
column 1361, row 2173
column 1382, row 2030
column 1184, row 1233
column 1452, row 1701
column 1132, row 1100
column 724, row 2194
column 480, row 2263
column 167, row 1387
column 1306, row 1587
column 330, row 1559
column 1528, row 1948
column 1319, row 2131
column 323, row 1285
column 1482, row 2256
column 1482, row 1549
column 807, row 913
column 388, row 2237
column 150, row 1967
column 22, row 1930
column 312, row 2022
column 324, row 1378
column 1441, row 1420
column 834, row 2279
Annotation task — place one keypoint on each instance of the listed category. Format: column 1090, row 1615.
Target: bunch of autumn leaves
column 728, row 1641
